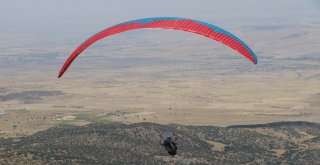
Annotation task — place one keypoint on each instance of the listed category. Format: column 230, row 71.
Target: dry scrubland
column 141, row 76
column 276, row 143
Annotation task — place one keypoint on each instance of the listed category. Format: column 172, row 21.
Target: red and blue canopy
column 189, row 25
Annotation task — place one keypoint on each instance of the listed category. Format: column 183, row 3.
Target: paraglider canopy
column 189, row 25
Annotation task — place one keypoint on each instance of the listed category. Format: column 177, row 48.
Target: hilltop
column 115, row 143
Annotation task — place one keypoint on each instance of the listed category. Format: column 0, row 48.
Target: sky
column 33, row 15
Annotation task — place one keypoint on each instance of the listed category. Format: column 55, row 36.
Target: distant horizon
column 54, row 14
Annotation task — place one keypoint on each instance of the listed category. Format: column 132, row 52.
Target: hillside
column 275, row 143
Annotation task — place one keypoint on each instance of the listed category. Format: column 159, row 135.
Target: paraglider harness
column 170, row 145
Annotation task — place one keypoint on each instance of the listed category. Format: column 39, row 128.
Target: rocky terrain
column 114, row 143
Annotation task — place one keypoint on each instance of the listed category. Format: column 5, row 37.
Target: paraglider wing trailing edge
column 189, row 25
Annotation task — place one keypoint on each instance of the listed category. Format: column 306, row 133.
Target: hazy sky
column 16, row 15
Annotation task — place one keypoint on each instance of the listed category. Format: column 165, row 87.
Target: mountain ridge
column 116, row 143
